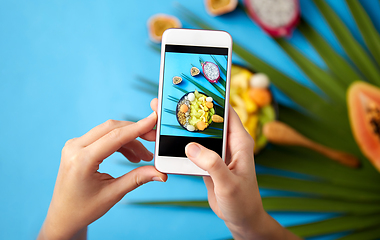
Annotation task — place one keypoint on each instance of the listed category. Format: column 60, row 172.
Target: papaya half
column 363, row 101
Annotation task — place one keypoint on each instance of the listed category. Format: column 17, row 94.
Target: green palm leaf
column 316, row 188
column 337, row 224
column 221, row 79
column 353, row 49
column 147, row 86
column 297, row 92
column 321, row 131
column 286, row 204
column 224, row 71
column 209, row 131
column 366, row 234
column 329, row 85
column 341, row 69
column 216, row 98
column 305, row 161
column 365, row 25
column 219, row 89
column 302, row 204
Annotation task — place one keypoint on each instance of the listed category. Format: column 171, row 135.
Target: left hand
column 81, row 193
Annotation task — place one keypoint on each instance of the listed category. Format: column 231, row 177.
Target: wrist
column 261, row 226
column 53, row 229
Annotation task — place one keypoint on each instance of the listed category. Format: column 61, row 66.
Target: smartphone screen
column 193, row 98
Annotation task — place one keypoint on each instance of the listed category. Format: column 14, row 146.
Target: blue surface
column 67, row 66
column 175, row 64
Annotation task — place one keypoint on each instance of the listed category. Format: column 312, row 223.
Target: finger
column 234, row 123
column 211, row 196
column 135, row 178
column 114, row 140
column 130, row 155
column 209, row 161
column 139, row 149
column 100, row 130
column 154, row 104
column 149, row 136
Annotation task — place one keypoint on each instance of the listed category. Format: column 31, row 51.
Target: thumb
column 209, row 161
column 136, row 178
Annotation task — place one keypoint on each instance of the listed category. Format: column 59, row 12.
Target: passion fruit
column 219, row 7
column 157, row 24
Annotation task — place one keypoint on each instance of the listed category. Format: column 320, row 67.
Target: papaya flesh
column 363, row 101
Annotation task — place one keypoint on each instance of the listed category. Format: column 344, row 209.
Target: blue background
column 175, row 64
column 67, row 66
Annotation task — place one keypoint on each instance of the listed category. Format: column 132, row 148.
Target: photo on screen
column 193, row 96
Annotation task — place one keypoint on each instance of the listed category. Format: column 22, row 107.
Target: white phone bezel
column 190, row 37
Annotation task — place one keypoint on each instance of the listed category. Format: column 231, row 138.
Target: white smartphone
column 193, row 96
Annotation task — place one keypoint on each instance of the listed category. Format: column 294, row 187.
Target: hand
column 81, row 193
column 233, row 193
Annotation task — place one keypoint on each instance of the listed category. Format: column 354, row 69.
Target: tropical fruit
column 157, row 24
column 252, row 102
column 277, row 18
column 219, row 7
column 363, row 101
column 211, row 72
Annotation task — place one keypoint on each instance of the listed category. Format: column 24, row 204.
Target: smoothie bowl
column 195, row 112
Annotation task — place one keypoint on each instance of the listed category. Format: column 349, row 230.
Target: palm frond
column 170, row 111
column 224, row 71
column 174, row 99
column 314, row 103
column 341, row 69
column 353, row 49
column 365, row 234
column 303, row 204
column 315, row 188
column 221, row 79
column 216, row 98
column 217, row 133
column 181, row 89
column 337, row 224
column 305, row 161
column 365, row 25
column 327, row 83
column 320, row 131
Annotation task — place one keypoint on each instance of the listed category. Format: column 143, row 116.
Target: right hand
column 233, row 193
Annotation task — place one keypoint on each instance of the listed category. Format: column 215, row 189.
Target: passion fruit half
column 219, row 7
column 157, row 24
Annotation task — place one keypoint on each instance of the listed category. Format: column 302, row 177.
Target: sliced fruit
column 194, row 71
column 250, row 105
column 177, row 80
column 277, row 18
column 217, row 118
column 219, row 7
column 201, row 125
column 251, row 125
column 243, row 115
column 240, row 80
column 157, row 24
column 260, row 96
column 363, row 102
column 259, row 80
column 211, row 72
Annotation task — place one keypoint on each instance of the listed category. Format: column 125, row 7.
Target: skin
column 82, row 194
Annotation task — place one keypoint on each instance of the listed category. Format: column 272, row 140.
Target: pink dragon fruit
column 277, row 17
column 211, row 72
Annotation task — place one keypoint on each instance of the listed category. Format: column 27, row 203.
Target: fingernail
column 152, row 115
column 157, row 179
column 193, row 150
